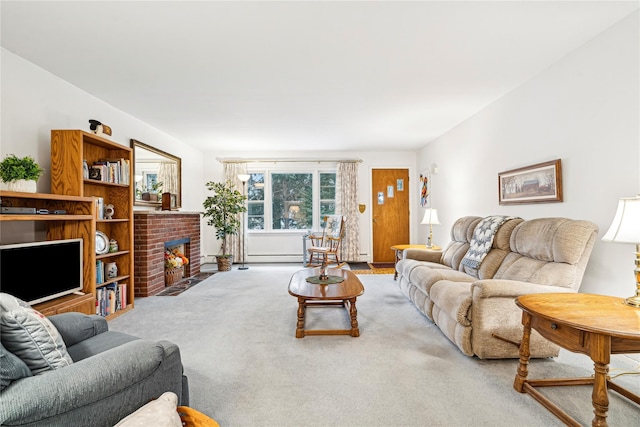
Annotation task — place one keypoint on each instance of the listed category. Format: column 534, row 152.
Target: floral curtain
column 347, row 204
column 231, row 172
column 168, row 176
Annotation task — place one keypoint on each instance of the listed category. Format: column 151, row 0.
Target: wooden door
column 390, row 211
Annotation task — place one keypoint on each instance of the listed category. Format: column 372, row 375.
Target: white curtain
column 231, row 172
column 347, row 204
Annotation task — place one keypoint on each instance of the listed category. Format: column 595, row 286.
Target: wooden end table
column 398, row 249
column 595, row 325
column 342, row 294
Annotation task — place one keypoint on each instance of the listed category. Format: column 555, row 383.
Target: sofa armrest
column 500, row 288
column 422, row 255
column 76, row 327
column 93, row 380
column 497, row 320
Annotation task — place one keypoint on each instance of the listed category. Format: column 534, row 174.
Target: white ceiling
column 306, row 75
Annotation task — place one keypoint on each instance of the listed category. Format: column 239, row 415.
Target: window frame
column 267, row 171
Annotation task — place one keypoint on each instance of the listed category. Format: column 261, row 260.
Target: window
column 255, row 202
column 327, row 194
column 291, row 201
column 279, row 200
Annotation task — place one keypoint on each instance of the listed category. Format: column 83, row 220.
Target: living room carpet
column 236, row 332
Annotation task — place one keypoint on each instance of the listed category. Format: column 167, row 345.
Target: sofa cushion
column 424, row 277
column 461, row 234
column 499, row 250
column 98, row 344
column 32, row 337
column 549, row 251
column 11, row 368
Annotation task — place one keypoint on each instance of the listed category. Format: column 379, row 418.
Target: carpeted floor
column 236, row 332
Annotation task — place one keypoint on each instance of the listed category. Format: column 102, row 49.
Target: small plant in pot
column 20, row 174
column 222, row 211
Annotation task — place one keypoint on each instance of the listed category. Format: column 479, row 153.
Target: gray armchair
column 113, row 375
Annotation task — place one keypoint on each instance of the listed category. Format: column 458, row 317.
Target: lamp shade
column 430, row 217
column 244, row 177
column 625, row 227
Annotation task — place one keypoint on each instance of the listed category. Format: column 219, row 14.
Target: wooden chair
column 325, row 247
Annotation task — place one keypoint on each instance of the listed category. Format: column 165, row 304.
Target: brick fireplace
column 152, row 230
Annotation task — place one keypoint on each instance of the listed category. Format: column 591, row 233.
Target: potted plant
column 222, row 211
column 20, row 174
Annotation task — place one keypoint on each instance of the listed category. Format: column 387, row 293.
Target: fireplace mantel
column 151, row 230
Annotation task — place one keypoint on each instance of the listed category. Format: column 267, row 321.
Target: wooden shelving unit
column 79, row 221
column 69, row 149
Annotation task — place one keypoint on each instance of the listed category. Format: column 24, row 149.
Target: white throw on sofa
column 475, row 307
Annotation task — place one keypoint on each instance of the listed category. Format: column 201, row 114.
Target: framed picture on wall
column 539, row 183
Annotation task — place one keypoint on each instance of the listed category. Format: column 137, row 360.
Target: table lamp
column 431, row 218
column 625, row 228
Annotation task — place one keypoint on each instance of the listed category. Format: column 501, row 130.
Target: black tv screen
column 39, row 271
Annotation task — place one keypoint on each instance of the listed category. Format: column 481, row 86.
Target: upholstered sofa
column 475, row 307
column 95, row 377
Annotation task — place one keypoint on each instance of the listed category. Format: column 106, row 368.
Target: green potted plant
column 222, row 211
column 20, row 174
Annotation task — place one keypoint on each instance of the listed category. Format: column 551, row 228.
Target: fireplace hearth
column 154, row 231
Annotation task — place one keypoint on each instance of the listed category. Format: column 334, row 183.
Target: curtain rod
column 286, row 160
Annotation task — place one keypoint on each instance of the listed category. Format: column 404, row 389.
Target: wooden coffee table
column 341, row 294
column 595, row 325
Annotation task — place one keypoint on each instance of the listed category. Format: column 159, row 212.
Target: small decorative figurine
column 113, row 245
column 99, row 128
column 323, row 272
column 108, row 211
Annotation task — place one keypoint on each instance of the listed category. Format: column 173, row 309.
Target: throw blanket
column 482, row 239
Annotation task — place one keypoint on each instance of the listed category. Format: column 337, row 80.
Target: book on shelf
column 99, row 272
column 99, row 207
column 111, row 298
column 114, row 170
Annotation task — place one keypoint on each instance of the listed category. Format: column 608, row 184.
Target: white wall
column 270, row 247
column 35, row 101
column 584, row 110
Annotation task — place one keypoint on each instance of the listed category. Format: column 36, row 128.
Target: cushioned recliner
column 475, row 307
column 112, row 375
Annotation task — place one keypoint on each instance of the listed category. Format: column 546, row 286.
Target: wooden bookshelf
column 78, row 221
column 69, row 150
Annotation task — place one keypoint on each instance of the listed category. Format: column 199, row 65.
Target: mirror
column 155, row 172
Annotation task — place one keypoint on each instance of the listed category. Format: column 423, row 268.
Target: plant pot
column 22, row 186
column 173, row 275
column 224, row 262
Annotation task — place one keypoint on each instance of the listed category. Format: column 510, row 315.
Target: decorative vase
column 111, row 270
column 22, row 186
column 224, row 262
column 173, row 275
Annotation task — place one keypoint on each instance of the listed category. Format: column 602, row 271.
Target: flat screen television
column 39, row 271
